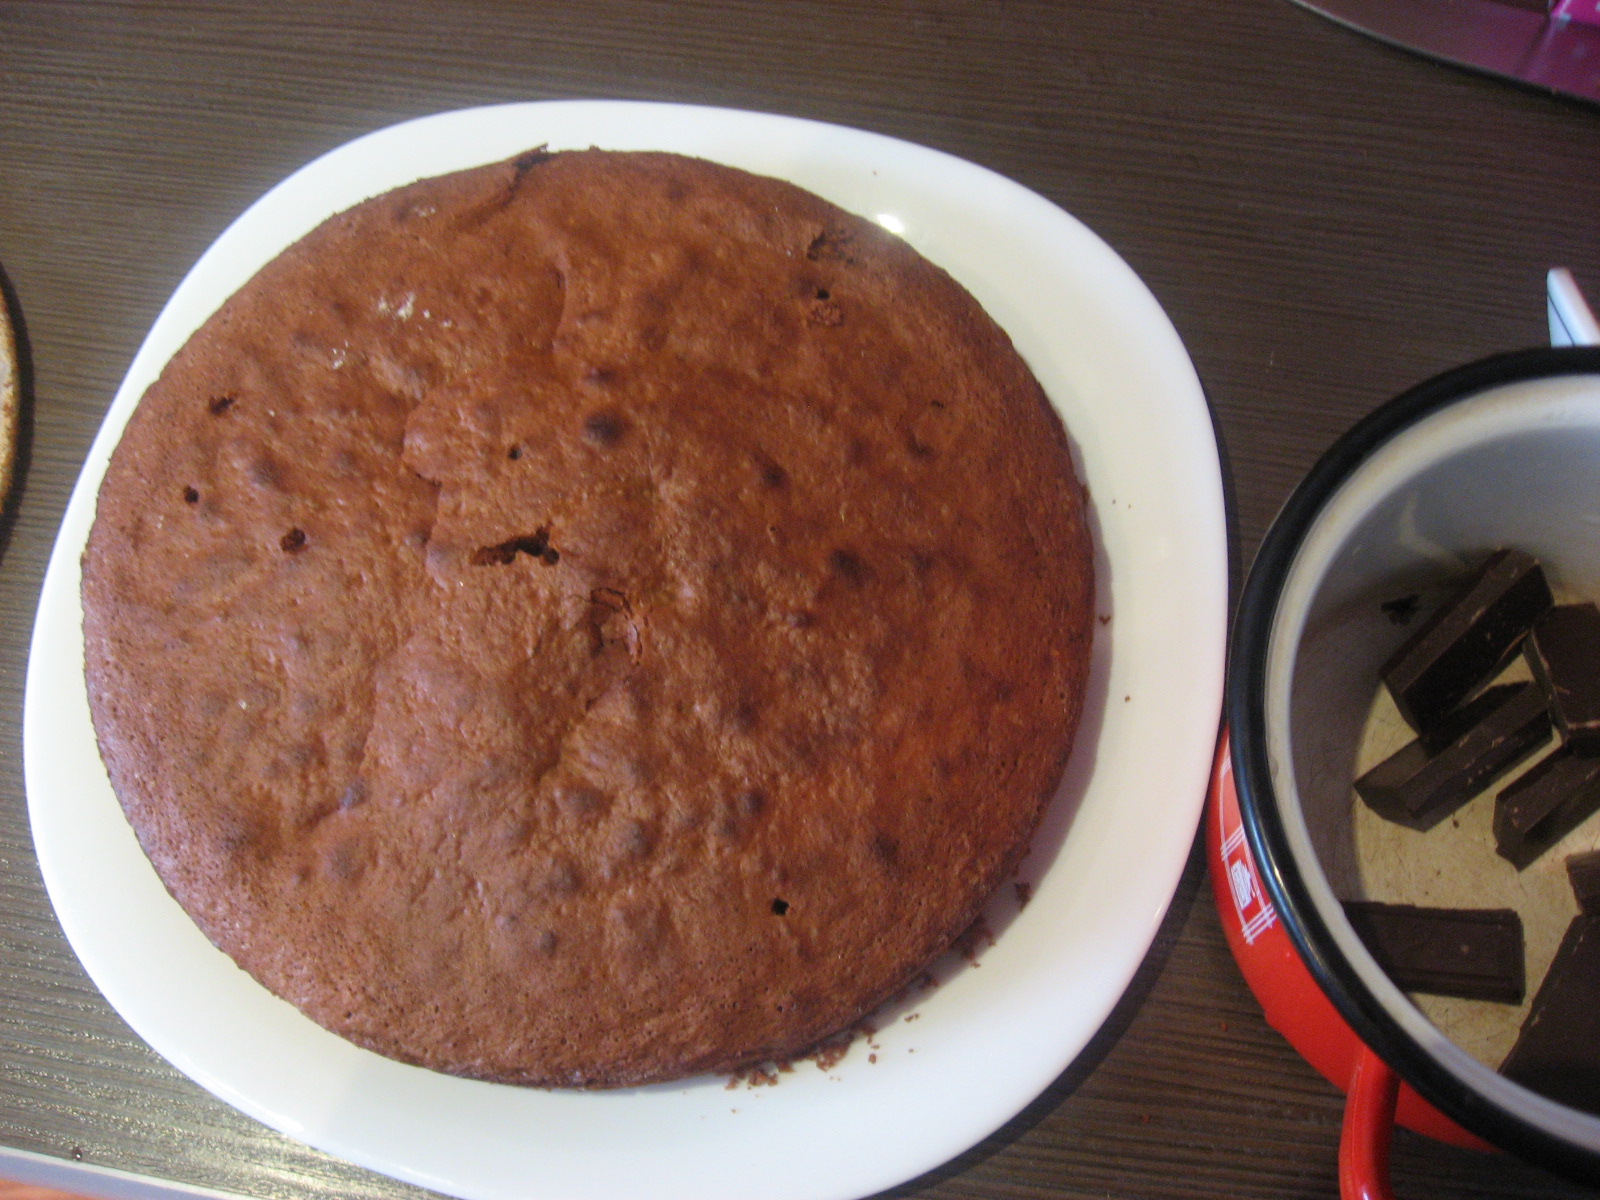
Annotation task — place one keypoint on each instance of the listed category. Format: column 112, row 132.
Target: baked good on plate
column 10, row 400
column 589, row 620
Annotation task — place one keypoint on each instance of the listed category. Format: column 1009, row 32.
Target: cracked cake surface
column 589, row 620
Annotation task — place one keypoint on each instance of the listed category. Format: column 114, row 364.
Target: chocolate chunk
column 1468, row 639
column 1584, row 872
column 1548, row 802
column 1429, row 778
column 1558, row 1051
column 1563, row 650
column 1474, row 953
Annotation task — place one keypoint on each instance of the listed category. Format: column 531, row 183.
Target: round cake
column 589, row 620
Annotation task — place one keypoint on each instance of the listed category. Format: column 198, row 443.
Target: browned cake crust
column 588, row 620
column 10, row 400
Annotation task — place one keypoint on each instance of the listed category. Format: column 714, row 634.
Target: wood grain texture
column 1327, row 221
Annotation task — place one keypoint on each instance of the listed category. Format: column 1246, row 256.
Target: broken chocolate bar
column 1474, row 953
column 1584, row 872
column 1558, row 1051
column 1467, row 640
column 1563, row 650
column 1549, row 801
column 1429, row 778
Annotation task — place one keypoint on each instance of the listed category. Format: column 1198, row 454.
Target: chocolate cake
column 591, row 619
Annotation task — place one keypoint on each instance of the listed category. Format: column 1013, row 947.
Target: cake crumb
column 758, row 1075
column 1024, row 893
column 977, row 938
column 828, row 1055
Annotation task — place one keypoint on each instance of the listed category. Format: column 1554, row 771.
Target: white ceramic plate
column 989, row 1038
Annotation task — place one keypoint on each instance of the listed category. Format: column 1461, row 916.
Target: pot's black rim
column 1244, row 705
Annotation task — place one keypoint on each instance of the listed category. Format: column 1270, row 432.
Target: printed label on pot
column 1250, row 903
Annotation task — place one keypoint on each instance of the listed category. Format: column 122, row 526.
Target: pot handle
column 1368, row 1126
column 1572, row 321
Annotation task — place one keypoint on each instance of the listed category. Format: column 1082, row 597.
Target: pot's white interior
column 1517, row 465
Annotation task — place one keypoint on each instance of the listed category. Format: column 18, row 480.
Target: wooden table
column 1327, row 220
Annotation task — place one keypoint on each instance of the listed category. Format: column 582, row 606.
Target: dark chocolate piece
column 1584, row 872
column 1474, row 953
column 1563, row 649
column 1549, row 801
column 1558, row 1051
column 1468, row 639
column 1428, row 779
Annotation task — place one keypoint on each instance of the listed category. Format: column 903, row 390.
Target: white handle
column 1572, row 321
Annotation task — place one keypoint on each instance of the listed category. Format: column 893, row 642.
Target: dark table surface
column 1327, row 220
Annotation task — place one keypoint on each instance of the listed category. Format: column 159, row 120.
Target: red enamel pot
column 1301, row 1011
column 1502, row 452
